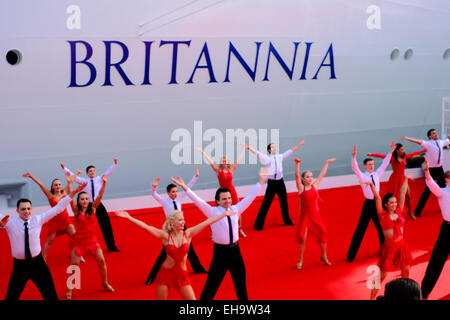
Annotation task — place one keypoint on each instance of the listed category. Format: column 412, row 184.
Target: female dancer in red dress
column 176, row 242
column 398, row 163
column 60, row 224
column 394, row 250
column 85, row 240
column 310, row 219
column 224, row 174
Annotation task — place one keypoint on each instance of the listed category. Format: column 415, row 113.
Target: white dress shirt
column 275, row 163
column 443, row 196
column 167, row 203
column 98, row 182
column 220, row 229
column 376, row 175
column 16, row 230
column 434, row 151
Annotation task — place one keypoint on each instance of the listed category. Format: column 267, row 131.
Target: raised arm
column 77, row 179
column 323, row 172
column 244, row 203
column 299, row 144
column 417, row 141
column 355, row 166
column 111, row 168
column 190, row 184
column 97, row 200
column 4, row 220
column 298, row 178
column 386, row 160
column 157, row 233
column 47, row 192
column 70, row 179
column 432, row 185
column 376, row 155
column 238, row 160
column 265, row 159
column 403, row 190
column 193, row 231
column 155, row 194
column 211, row 163
column 205, row 208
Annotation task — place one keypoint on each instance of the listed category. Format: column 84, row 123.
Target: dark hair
column 219, row 191
column 89, row 208
column 386, row 198
column 170, row 187
column 402, row 289
column 367, row 160
column 447, row 174
column 429, row 132
column 89, row 167
column 51, row 186
column 268, row 146
column 22, row 200
column 395, row 153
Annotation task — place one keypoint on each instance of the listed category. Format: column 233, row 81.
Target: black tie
column 92, row 190
column 439, row 148
column 230, row 230
column 27, row 243
column 371, row 176
column 175, row 205
column 275, row 157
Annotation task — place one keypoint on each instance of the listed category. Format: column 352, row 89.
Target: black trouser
column 226, row 258
column 439, row 255
column 438, row 176
column 274, row 187
column 368, row 212
column 192, row 257
column 105, row 226
column 35, row 269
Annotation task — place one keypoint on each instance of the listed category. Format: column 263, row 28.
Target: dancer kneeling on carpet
column 176, row 243
column 310, row 219
column 394, row 251
column 85, row 240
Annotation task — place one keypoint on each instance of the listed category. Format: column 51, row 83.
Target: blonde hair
column 167, row 226
column 304, row 174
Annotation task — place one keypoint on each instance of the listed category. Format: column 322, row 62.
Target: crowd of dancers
column 169, row 271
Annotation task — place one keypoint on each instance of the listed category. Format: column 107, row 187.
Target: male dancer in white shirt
column 275, row 183
column 92, row 189
column 225, row 234
column 434, row 155
column 441, row 248
column 24, row 233
column 173, row 202
column 369, row 211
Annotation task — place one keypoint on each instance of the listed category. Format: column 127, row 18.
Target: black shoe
column 113, row 249
column 149, row 281
column 290, row 223
column 203, row 270
column 258, row 228
column 350, row 260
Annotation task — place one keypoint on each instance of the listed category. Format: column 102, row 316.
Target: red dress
column 60, row 222
column 398, row 172
column 226, row 181
column 309, row 216
column 394, row 254
column 85, row 239
column 176, row 276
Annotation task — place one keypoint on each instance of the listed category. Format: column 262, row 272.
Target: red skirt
column 394, row 255
column 59, row 223
column 173, row 277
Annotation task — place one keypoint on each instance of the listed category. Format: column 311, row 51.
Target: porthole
column 446, row 54
column 14, row 57
column 408, row 54
column 394, row 54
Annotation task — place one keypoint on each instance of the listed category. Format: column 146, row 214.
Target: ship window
column 408, row 54
column 447, row 54
column 14, row 57
column 394, row 54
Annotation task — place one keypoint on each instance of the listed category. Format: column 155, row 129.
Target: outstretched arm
column 47, row 192
column 299, row 144
column 417, row 141
column 322, row 173
column 298, row 178
column 193, row 231
column 100, row 193
column 205, row 208
column 432, row 185
column 158, row 233
column 264, row 158
column 415, row 153
column 4, row 220
column 376, row 155
column 211, row 163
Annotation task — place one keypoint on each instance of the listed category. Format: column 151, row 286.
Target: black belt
column 234, row 244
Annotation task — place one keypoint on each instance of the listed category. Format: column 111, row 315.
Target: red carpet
column 270, row 255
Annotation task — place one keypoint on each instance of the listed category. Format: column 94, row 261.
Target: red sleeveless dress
column 309, row 216
column 174, row 277
column 60, row 222
column 85, row 239
column 394, row 254
column 226, row 181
